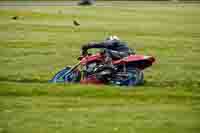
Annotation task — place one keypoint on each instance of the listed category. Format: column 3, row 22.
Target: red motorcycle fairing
column 139, row 61
column 91, row 58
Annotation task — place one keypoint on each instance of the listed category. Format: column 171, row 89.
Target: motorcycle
column 91, row 69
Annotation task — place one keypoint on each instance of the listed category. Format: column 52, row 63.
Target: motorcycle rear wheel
column 133, row 77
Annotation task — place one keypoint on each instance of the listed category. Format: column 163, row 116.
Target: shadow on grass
column 6, row 79
column 147, row 84
column 173, row 83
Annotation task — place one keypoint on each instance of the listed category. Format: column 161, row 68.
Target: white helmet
column 112, row 38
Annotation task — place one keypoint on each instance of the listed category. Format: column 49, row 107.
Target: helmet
column 110, row 38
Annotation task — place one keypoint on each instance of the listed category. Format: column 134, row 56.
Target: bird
column 15, row 17
column 75, row 23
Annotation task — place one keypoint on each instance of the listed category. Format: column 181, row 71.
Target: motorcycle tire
column 135, row 77
column 60, row 77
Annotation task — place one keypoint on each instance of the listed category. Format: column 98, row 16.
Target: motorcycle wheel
column 134, row 77
column 60, row 77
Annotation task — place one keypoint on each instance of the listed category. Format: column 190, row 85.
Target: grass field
column 43, row 40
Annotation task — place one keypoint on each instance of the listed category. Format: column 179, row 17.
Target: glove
column 84, row 48
column 84, row 52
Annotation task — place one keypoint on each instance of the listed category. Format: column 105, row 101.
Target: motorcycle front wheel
column 61, row 77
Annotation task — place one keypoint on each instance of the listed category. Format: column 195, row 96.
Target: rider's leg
column 108, row 58
column 111, row 55
column 116, row 54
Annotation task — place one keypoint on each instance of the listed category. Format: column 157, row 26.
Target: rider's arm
column 96, row 45
column 105, row 44
column 93, row 45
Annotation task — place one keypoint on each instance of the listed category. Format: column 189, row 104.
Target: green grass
column 43, row 40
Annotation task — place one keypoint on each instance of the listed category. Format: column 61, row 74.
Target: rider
column 114, row 48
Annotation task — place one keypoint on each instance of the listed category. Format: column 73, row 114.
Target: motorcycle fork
column 124, row 67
